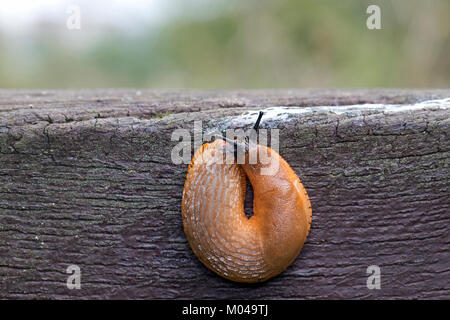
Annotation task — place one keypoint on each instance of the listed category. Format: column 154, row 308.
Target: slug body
column 226, row 241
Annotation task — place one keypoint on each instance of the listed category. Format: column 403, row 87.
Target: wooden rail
column 86, row 179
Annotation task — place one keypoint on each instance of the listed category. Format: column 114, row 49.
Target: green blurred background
column 225, row 44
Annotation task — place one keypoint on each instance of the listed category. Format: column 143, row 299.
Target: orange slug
column 238, row 248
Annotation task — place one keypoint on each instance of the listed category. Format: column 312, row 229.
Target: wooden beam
column 86, row 179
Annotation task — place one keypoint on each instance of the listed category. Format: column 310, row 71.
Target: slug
column 235, row 247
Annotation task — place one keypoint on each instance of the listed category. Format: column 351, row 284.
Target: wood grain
column 86, row 178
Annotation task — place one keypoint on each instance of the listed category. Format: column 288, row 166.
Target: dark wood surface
column 86, row 178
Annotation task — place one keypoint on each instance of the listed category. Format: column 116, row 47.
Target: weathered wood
column 86, row 178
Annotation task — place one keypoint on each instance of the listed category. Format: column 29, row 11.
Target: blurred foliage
column 246, row 44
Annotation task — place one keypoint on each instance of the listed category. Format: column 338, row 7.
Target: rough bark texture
column 86, row 178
